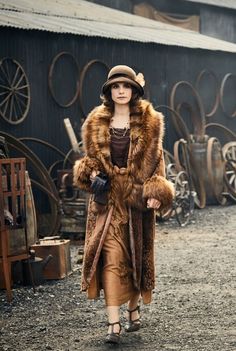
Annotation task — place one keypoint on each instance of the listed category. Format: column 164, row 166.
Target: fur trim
column 161, row 189
column 143, row 178
column 147, row 130
column 82, row 171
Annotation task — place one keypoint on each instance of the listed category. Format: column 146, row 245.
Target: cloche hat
column 122, row 73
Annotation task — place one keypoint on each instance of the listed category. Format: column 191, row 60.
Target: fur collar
column 146, row 134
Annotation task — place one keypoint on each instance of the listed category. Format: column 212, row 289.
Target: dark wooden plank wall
column 162, row 66
column 218, row 22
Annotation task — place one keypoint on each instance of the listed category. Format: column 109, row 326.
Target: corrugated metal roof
column 231, row 4
column 85, row 18
column 80, row 9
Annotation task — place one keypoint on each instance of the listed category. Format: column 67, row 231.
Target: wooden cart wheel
column 229, row 153
column 184, row 199
column 14, row 91
column 230, row 177
column 183, row 162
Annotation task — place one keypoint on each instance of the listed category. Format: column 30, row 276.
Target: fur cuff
column 82, row 171
column 159, row 188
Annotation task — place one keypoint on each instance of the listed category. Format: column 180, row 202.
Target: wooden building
column 215, row 18
column 63, row 50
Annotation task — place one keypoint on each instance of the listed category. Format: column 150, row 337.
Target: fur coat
column 145, row 179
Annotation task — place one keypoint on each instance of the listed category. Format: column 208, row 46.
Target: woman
column 122, row 140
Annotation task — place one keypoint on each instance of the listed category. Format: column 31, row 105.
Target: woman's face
column 121, row 93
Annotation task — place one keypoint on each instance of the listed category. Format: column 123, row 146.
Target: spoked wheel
column 229, row 153
column 14, row 91
column 184, row 199
column 230, row 176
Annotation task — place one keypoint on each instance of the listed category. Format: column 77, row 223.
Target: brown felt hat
column 122, row 73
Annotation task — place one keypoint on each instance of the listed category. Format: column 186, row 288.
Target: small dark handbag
column 100, row 187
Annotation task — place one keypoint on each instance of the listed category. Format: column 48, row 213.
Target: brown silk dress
column 117, row 279
column 114, row 272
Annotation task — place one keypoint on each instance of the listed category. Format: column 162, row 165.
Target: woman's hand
column 153, row 203
column 93, row 175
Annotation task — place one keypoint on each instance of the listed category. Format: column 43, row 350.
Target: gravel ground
column 193, row 308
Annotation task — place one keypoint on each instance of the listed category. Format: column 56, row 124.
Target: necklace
column 119, row 132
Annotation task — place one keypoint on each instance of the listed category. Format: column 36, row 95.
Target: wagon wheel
column 14, row 91
column 184, row 200
column 230, row 177
column 182, row 157
column 229, row 153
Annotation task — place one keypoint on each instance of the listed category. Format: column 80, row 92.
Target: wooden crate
column 60, row 264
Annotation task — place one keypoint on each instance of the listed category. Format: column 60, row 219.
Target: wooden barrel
column 215, row 170
column 207, row 166
column 198, row 165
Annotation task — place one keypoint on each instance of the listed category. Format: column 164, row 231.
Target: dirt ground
column 193, row 308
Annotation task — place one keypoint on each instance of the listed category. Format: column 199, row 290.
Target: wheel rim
column 14, row 91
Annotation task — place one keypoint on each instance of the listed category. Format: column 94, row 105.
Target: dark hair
column 134, row 101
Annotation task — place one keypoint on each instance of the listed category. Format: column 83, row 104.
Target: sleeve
column 83, row 167
column 158, row 187
column 82, row 171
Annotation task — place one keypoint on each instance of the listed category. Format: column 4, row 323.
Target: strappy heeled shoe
column 133, row 325
column 113, row 338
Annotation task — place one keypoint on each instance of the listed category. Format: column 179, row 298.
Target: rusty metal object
column 197, row 119
column 14, row 91
column 183, row 204
column 178, row 122
column 225, row 80
column 168, row 157
column 43, row 142
column 82, row 78
column 184, row 201
column 187, row 160
column 227, row 133
column 229, row 153
column 215, row 171
column 42, row 173
column 230, row 178
column 66, row 157
column 200, row 77
column 50, row 77
column 204, row 153
column 73, row 207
